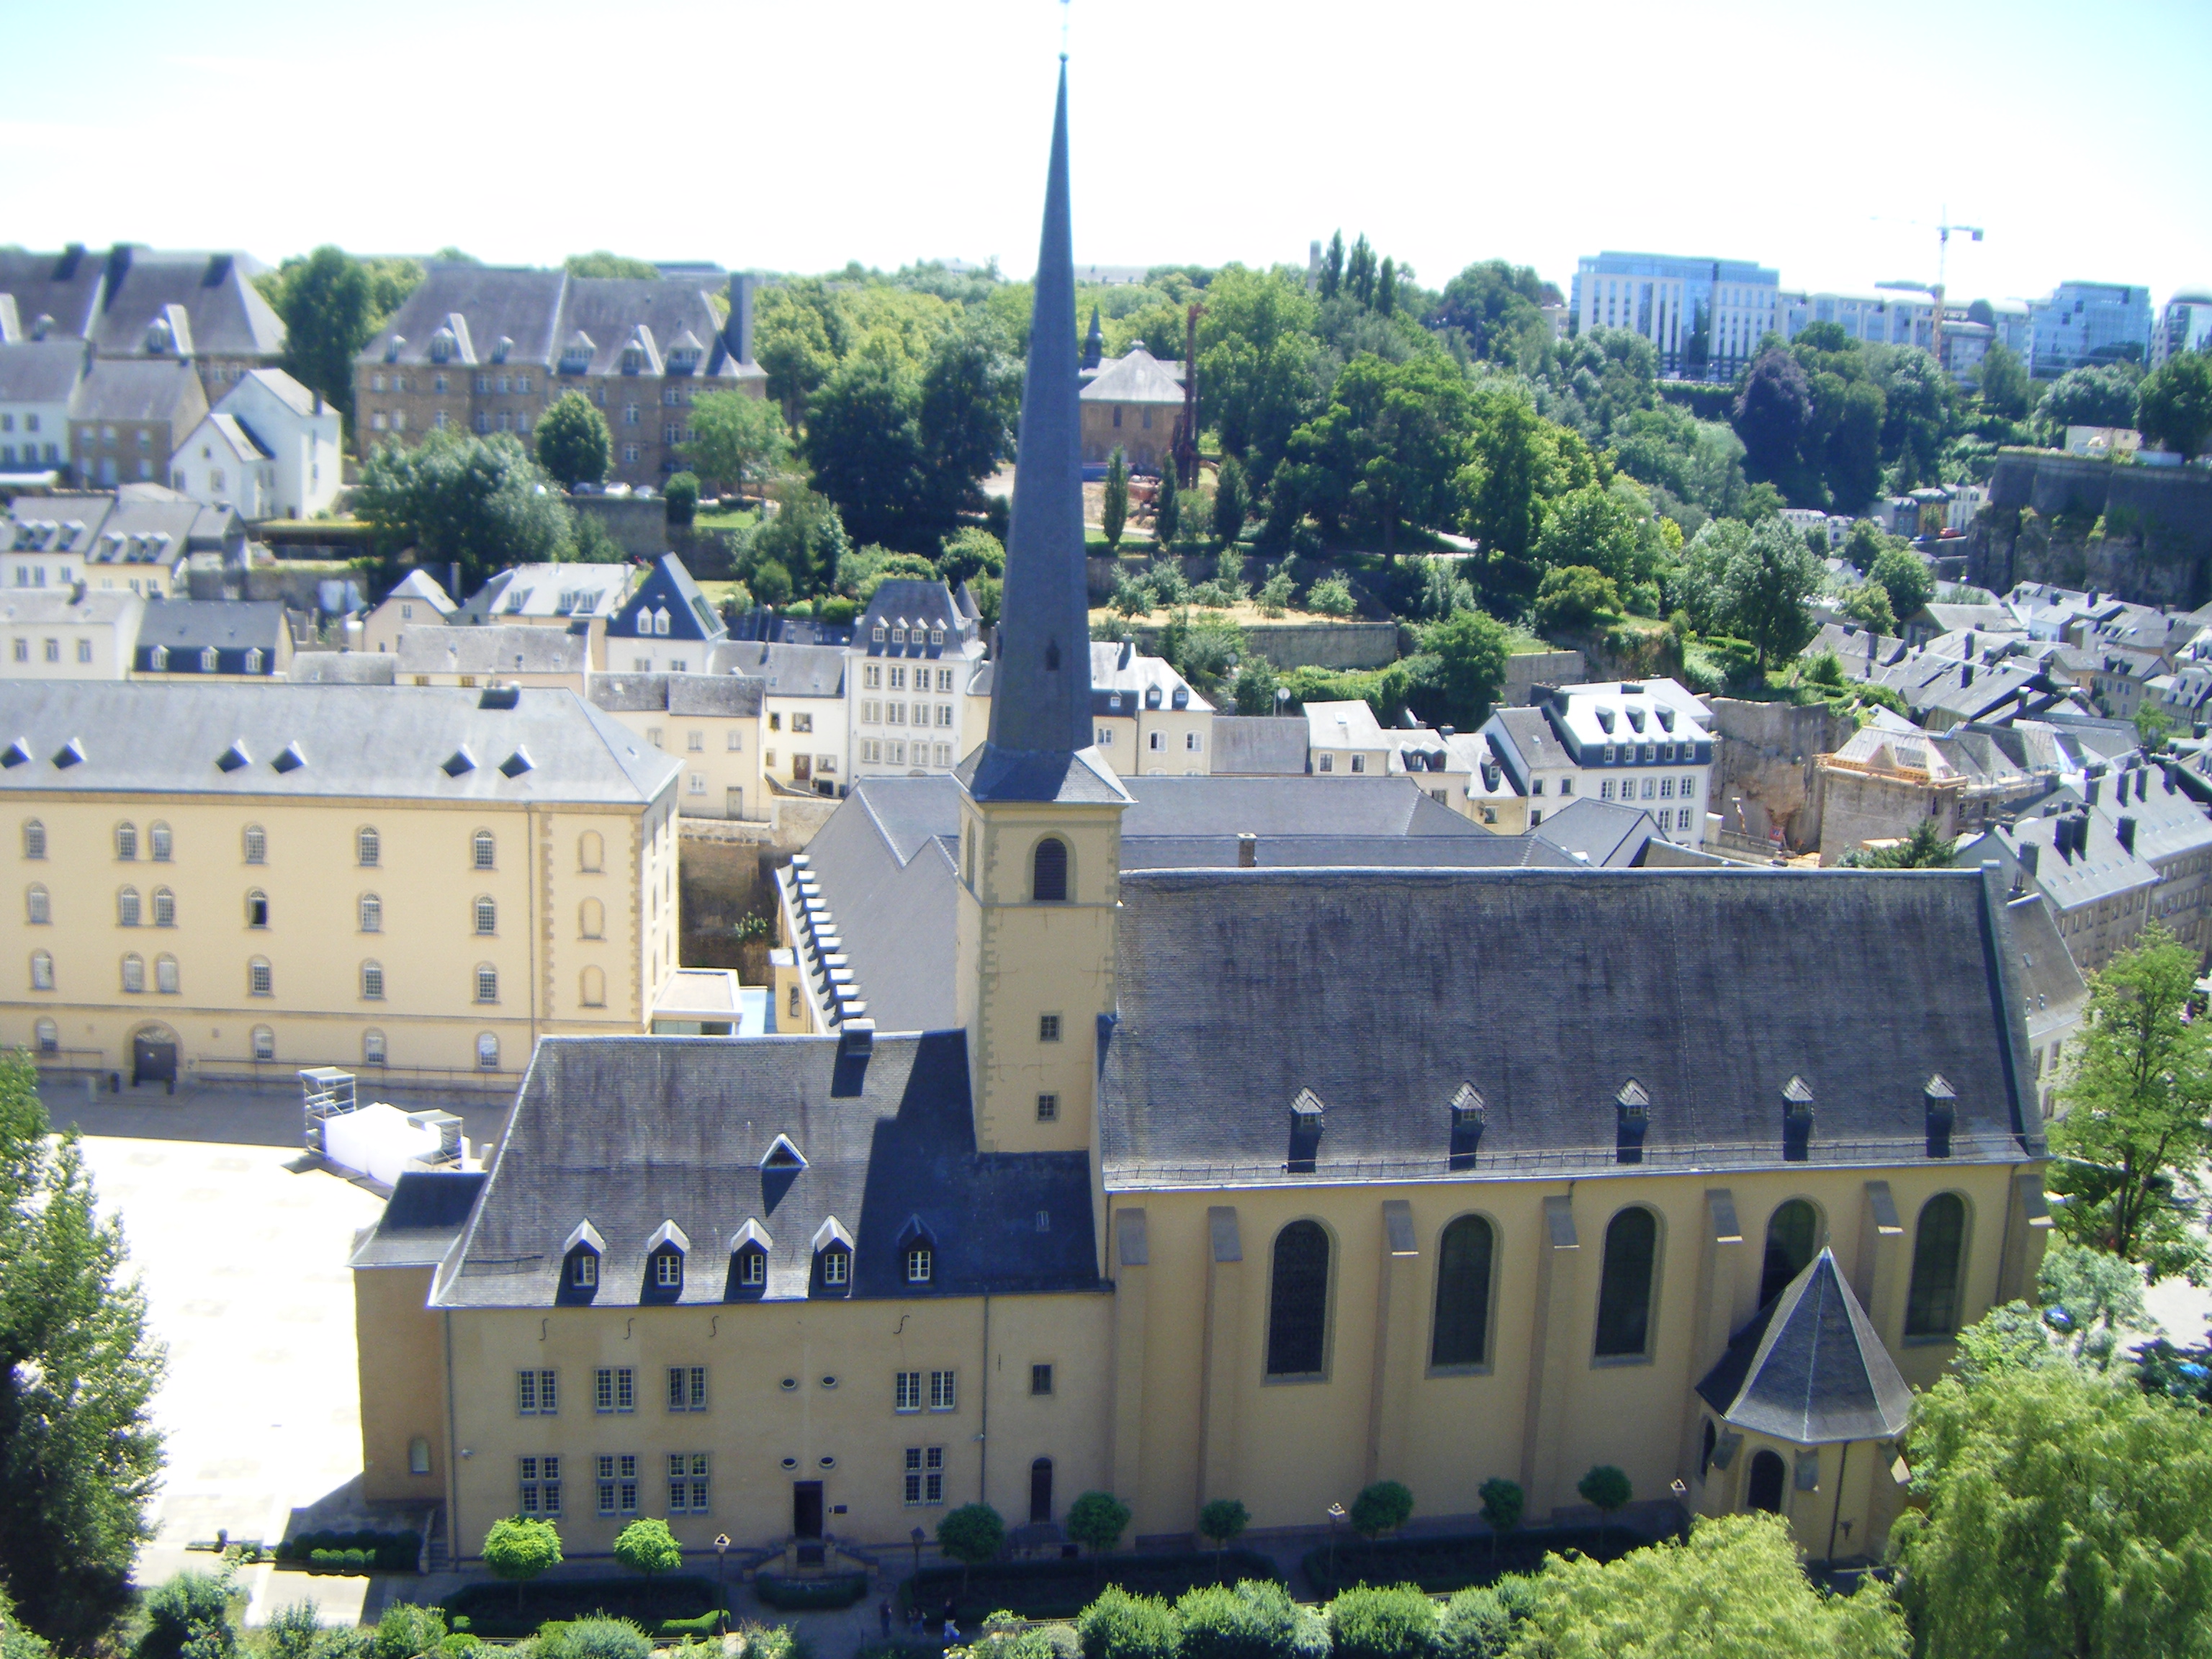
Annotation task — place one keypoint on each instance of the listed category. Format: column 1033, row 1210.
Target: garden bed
column 1060, row 1588
column 654, row 1604
column 353, row 1552
column 1441, row 1565
column 833, row 1590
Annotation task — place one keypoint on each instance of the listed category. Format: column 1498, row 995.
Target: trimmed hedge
column 1059, row 1588
column 370, row 1552
column 651, row 1603
column 1440, row 1565
column 810, row 1594
column 707, row 1624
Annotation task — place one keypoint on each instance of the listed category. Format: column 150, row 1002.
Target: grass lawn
column 719, row 593
column 720, row 518
column 1246, row 614
column 308, row 530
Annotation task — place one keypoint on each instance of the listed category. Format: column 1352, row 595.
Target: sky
column 1826, row 141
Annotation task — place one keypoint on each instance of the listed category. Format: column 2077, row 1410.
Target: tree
column 1115, row 513
column 18, row 1642
column 1606, row 1489
column 328, row 302
column 1574, row 596
column 1502, row 1502
column 2104, row 396
column 1231, row 503
column 1734, row 1589
column 1255, row 1620
column 1762, row 587
column 481, row 502
column 2002, row 379
column 1594, row 527
column 1773, row 412
column 2066, row 1513
column 1385, row 289
column 1167, row 506
column 1388, row 449
column 969, row 552
column 2126, row 1153
column 1868, row 605
column 2152, row 723
column 1120, row 1625
column 1369, row 1621
column 1497, row 306
column 408, row 1630
column 573, row 441
column 647, row 1546
column 736, row 440
column 1256, row 355
column 1904, row 575
column 864, row 441
column 1359, row 271
column 803, row 540
column 680, row 497
column 1332, row 266
column 1256, row 686
column 79, row 1455
column 603, row 264
column 1097, row 1520
column 190, row 1614
column 519, row 1550
column 972, row 1535
column 1223, row 1521
column 1274, row 597
column 2174, row 408
column 1380, row 1508
column 1926, row 848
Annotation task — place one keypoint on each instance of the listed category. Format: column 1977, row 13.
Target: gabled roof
column 40, row 371
column 1123, row 681
column 1809, row 1368
column 789, row 671
column 910, row 602
column 226, row 625
column 224, row 311
column 140, row 389
column 1261, row 747
column 1550, row 1036
column 278, row 385
column 521, row 648
column 610, row 1131
column 721, row 696
column 238, row 436
column 548, row 590
column 1136, row 378
column 420, row 584
column 668, row 587
column 343, row 668
column 1345, row 725
column 1603, row 834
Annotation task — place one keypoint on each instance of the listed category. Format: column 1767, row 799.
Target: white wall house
column 1646, row 741
column 222, row 464
column 271, row 448
column 68, row 634
column 37, row 380
column 914, row 658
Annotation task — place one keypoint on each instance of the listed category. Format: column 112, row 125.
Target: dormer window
column 645, row 624
column 633, row 359
column 207, row 659
column 668, row 1270
column 442, row 346
column 752, row 1269
column 919, row 1260
column 1114, row 701
column 836, row 1267
column 899, row 637
column 879, row 635
column 1632, row 1107
column 660, row 622
column 936, row 636
column 584, row 1271
column 579, row 1276
column 253, row 660
column 158, row 660
column 832, row 1256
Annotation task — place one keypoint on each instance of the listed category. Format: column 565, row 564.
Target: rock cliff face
column 2141, row 533
column 1767, row 775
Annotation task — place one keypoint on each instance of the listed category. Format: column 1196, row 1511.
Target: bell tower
column 1041, row 809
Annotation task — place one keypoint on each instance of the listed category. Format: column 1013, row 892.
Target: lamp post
column 916, row 1537
column 1335, row 1515
column 721, row 1555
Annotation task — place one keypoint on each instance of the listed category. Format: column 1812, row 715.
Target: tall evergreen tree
column 1232, row 502
column 1386, row 288
column 1167, row 505
column 78, row 1452
column 1332, row 267
column 1359, row 272
column 1115, row 512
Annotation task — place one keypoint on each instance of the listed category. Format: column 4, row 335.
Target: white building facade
column 1705, row 316
column 1648, row 742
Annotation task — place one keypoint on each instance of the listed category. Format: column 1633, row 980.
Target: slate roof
column 98, row 607
column 240, row 437
column 1272, row 807
column 630, row 1133
column 137, row 524
column 1608, row 834
column 1136, row 378
column 39, row 371
column 367, row 741
column 228, row 317
column 280, row 386
column 232, row 627
column 789, row 671
column 1523, row 741
column 140, row 389
column 1477, row 852
column 1711, row 988
column 425, row 1214
column 904, row 602
column 64, row 286
column 724, row 696
column 1809, row 1368
column 548, row 590
column 516, row 648
column 522, row 305
column 2103, row 868
column 1123, row 680
column 1261, row 745
column 421, row 585
column 345, row 668
column 2050, row 988
column 668, row 587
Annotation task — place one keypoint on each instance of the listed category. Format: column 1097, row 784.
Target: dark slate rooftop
column 669, row 590
column 788, row 670
column 140, row 389
column 1809, row 1368
column 1548, row 991
column 185, row 625
column 228, row 316
column 722, row 696
column 1480, row 851
column 1269, row 807
column 421, row 1220
column 628, row 1133
column 39, row 371
column 1607, row 835
column 498, row 648
column 137, row 737
column 916, row 606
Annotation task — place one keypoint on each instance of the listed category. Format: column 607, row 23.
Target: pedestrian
column 949, row 1610
column 951, row 1631
column 917, row 1624
column 883, row 1611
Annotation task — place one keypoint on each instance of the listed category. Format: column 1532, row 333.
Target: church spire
column 1094, row 343
column 1040, row 699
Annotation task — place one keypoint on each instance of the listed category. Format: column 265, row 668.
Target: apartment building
column 917, row 686
column 235, row 881
column 1146, row 719
column 128, row 417
column 710, row 725
column 1704, row 317
column 141, row 302
column 1650, row 742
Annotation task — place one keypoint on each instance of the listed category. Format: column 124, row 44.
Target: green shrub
column 1062, row 1588
column 193, row 1607
column 492, row 1612
column 291, row 1631
column 805, row 1595
column 1120, row 1625
column 1397, row 1623
column 1330, row 596
column 407, row 1630
column 780, row 1642
column 1170, row 588
column 836, row 609
column 1255, row 1620
column 709, row 1623
column 387, row 1552
column 1442, row 1564
column 680, row 497
column 1384, row 1507
column 1476, row 1624
column 457, row 1643
column 593, row 1639
column 1097, row 1520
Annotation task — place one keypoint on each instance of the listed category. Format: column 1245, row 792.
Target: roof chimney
column 738, row 332
column 2090, row 792
column 2127, row 831
column 2030, row 858
column 1248, row 852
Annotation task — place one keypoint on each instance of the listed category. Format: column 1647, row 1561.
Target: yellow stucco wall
column 401, row 1362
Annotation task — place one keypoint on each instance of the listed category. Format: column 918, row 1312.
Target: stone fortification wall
column 2144, row 533
column 1766, row 768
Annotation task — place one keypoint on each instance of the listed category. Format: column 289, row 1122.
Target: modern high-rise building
column 2085, row 324
column 2185, row 324
column 1705, row 316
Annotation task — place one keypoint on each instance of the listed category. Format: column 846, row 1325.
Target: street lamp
column 721, row 1554
column 917, row 1538
column 1335, row 1515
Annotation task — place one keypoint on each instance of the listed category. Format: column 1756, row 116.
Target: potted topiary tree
column 647, row 1546
column 519, row 1549
column 1607, row 1488
column 1502, row 1501
column 1382, row 1507
column 1223, row 1521
column 971, row 1535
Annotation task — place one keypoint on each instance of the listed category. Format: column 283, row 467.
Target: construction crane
column 1942, row 255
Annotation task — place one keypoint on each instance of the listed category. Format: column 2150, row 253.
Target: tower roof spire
column 1040, row 698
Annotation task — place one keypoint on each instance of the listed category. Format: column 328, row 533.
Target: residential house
column 709, row 724
column 128, row 415
column 2097, row 887
column 804, row 704
column 1601, row 835
column 1650, row 741
column 1145, row 718
column 666, row 626
column 548, row 595
column 504, row 654
column 37, row 380
column 1068, row 1050
column 183, row 853
column 417, row 601
column 477, row 347
column 1264, row 746
column 269, row 446
column 140, row 303
column 1345, row 739
column 2053, row 995
column 912, row 691
column 1132, row 405
column 135, row 539
column 1488, row 794
column 68, row 633
column 222, row 639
